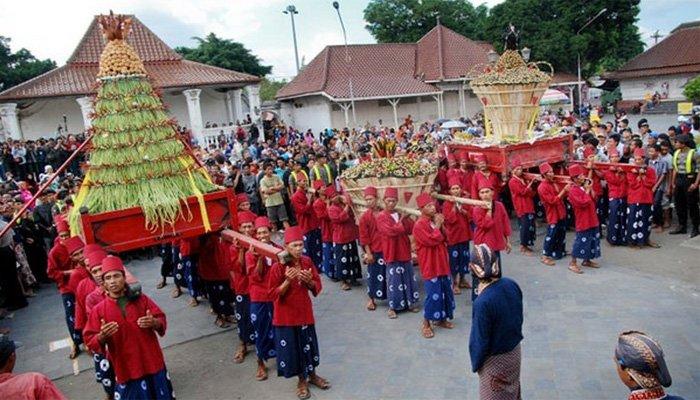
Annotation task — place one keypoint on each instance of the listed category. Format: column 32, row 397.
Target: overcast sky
column 52, row 29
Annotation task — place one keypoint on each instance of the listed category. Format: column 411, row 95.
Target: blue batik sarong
column 246, row 331
column 459, row 258
column 261, row 317
column 69, row 308
column 151, row 387
column 401, row 285
column 220, row 297
column 313, row 248
column 376, row 278
column 527, row 230
column 439, row 299
column 554, row 245
column 328, row 260
column 104, row 373
column 347, row 261
column 617, row 222
column 587, row 244
column 297, row 350
column 186, row 275
column 639, row 218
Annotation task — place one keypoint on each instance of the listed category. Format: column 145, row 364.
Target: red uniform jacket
column 442, row 180
column 304, row 211
column 456, row 224
column 134, row 352
column 431, row 249
column 396, row 245
column 553, row 205
column 480, row 177
column 77, row 276
column 321, row 211
column 85, row 287
column 59, row 261
column 369, row 236
column 239, row 280
column 617, row 184
column 93, row 299
column 344, row 228
column 492, row 230
column 188, row 247
column 258, row 282
column 293, row 308
column 522, row 196
column 584, row 208
column 213, row 260
column 640, row 187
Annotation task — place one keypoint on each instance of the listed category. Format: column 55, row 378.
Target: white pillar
column 228, row 97
column 10, row 120
column 345, row 107
column 86, row 109
column 394, row 103
column 253, row 92
column 195, row 112
column 237, row 104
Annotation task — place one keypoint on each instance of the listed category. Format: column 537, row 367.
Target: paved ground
column 571, row 324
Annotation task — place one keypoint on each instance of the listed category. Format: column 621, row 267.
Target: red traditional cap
column 370, row 191
column 293, row 234
column 464, row 156
column 478, row 157
column 95, row 258
column 262, row 222
column 300, row 177
column 454, row 181
column 391, row 193
column 576, row 170
column 73, row 244
column 318, row 184
column 242, row 198
column 451, row 158
column 484, row 184
column 516, row 163
column 424, row 199
column 112, row 263
column 587, row 152
column 330, row 191
column 89, row 248
column 639, row 152
column 246, row 217
column 545, row 168
column 62, row 226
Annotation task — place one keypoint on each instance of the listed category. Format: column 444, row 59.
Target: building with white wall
column 196, row 93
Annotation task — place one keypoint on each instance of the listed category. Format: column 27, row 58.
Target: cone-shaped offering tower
column 137, row 158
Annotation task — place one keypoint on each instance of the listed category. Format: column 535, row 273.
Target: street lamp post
column 578, row 57
column 336, row 5
column 291, row 10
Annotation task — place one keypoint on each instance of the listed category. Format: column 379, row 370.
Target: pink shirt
column 28, row 386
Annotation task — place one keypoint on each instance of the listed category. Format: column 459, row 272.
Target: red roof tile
column 165, row 67
column 677, row 53
column 388, row 69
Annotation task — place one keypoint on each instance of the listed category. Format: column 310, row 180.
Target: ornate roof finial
column 115, row 27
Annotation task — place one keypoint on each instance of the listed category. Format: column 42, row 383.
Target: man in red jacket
column 522, row 194
column 617, row 201
column 371, row 242
column 214, row 270
column 295, row 333
column 434, row 267
column 492, row 226
column 458, row 232
column 483, row 175
column 239, row 284
column 74, row 247
column 302, row 203
column 582, row 199
column 394, row 230
column 320, row 208
column 551, row 195
column 347, row 258
column 641, row 181
column 124, row 326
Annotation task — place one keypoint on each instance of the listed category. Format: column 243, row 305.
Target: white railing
column 210, row 136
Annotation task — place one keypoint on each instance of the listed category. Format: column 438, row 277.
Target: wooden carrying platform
column 124, row 230
column 500, row 157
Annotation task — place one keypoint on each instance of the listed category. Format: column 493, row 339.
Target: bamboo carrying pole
column 607, row 165
column 462, row 200
column 264, row 249
column 401, row 209
column 557, row 178
column 45, row 185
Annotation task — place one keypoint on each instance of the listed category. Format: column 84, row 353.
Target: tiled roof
column 677, row 53
column 563, row 77
column 165, row 67
column 388, row 69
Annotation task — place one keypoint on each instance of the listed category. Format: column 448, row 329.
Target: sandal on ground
column 464, row 284
column 547, row 261
column 392, row 314
column 75, row 352
column 239, row 357
column 345, row 286
column 575, row 269
column 525, row 251
column 175, row 293
column 590, row 264
column 371, row 305
column 303, row 392
column 193, row 303
column 414, row 309
column 427, row 332
column 161, row 284
column 446, row 324
column 319, row 382
column 261, row 375
column 653, row 245
column 221, row 323
column 456, row 290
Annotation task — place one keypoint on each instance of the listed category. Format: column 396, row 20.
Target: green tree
column 692, row 89
column 18, row 67
column 549, row 27
column 268, row 88
column 406, row 21
column 224, row 53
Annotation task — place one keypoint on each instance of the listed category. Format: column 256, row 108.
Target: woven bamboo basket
column 510, row 108
column 408, row 188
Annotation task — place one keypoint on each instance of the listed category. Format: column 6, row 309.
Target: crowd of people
column 286, row 187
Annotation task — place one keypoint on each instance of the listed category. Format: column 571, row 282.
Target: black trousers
column 11, row 288
column 686, row 202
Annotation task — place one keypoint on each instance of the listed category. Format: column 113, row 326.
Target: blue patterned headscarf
column 484, row 263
